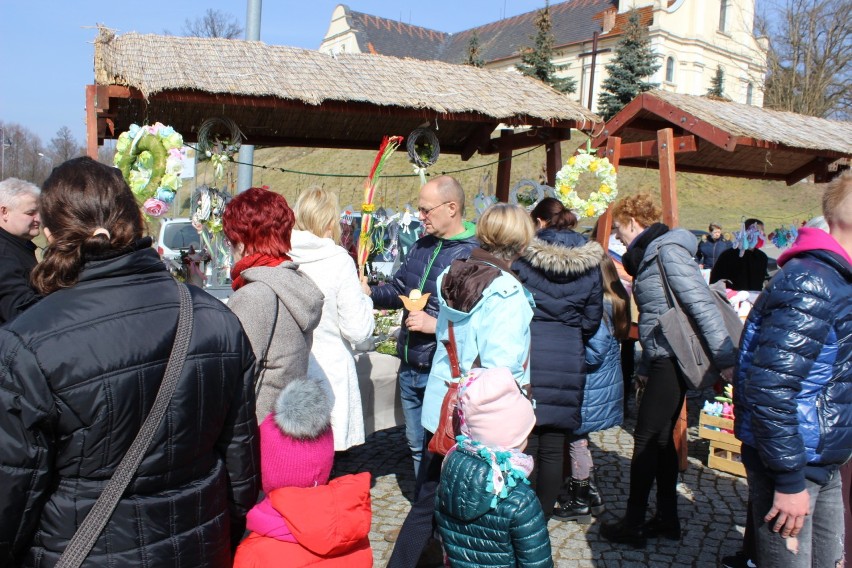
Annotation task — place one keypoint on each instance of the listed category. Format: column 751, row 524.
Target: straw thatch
column 155, row 64
column 787, row 128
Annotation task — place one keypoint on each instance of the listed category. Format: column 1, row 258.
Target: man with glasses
column 448, row 237
column 19, row 225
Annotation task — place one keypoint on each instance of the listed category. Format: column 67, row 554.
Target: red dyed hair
column 261, row 220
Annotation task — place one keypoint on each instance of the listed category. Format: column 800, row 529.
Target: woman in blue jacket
column 562, row 272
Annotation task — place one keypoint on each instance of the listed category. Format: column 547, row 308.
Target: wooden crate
column 706, row 420
column 726, row 457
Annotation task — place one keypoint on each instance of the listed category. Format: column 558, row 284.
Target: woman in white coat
column 347, row 313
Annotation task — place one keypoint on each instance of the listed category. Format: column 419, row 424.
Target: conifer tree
column 538, row 61
column 717, row 84
column 634, row 61
column 474, row 52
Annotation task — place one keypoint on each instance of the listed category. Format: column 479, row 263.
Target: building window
column 750, row 94
column 670, row 66
column 723, row 15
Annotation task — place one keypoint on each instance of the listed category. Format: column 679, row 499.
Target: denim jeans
column 412, row 387
column 820, row 543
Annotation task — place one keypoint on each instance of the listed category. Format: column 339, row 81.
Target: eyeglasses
column 425, row 212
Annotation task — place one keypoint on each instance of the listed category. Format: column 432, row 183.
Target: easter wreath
column 569, row 175
column 150, row 160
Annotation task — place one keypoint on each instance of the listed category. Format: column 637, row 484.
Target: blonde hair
column 836, row 192
column 505, row 230
column 317, row 211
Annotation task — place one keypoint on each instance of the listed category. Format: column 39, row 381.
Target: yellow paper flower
column 367, row 208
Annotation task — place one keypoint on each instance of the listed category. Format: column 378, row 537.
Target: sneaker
column 738, row 560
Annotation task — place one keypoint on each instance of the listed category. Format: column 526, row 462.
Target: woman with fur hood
column 305, row 519
column 562, row 271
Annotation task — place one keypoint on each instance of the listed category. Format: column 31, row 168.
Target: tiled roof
column 646, row 18
column 573, row 21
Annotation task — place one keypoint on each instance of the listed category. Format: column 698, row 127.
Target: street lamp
column 3, row 144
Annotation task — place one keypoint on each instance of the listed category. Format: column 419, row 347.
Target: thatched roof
column 733, row 139
column 185, row 80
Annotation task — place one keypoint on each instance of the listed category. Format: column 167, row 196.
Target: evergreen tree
column 538, row 61
column 717, row 84
column 474, row 52
column 634, row 61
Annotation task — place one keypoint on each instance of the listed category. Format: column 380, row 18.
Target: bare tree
column 214, row 23
column 64, row 146
column 809, row 65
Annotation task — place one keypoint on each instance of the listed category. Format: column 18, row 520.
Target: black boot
column 577, row 507
column 660, row 526
column 625, row 532
column 595, row 502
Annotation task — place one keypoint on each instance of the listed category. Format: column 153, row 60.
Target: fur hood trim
column 559, row 259
column 303, row 409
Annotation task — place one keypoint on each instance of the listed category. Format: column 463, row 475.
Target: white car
column 176, row 236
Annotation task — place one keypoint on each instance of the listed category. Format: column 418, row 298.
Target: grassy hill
column 701, row 198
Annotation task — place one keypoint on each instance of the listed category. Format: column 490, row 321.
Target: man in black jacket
column 19, row 225
column 448, row 237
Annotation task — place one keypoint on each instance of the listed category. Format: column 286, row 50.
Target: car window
column 181, row 236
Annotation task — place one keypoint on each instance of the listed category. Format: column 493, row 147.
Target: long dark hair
column 617, row 295
column 554, row 214
column 80, row 196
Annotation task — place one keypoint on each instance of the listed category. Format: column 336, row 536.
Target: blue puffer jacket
column 603, row 399
column 425, row 262
column 793, row 385
column 475, row 535
column 562, row 272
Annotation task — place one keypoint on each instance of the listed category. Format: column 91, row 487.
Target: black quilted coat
column 79, row 372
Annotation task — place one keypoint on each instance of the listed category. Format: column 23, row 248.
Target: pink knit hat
column 494, row 411
column 296, row 441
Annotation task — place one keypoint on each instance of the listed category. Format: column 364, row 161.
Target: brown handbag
column 448, row 422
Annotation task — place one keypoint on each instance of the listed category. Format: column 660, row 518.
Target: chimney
column 608, row 20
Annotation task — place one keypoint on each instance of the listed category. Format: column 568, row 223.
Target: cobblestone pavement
column 712, row 503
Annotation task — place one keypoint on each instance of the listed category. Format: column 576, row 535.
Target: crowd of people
column 516, row 357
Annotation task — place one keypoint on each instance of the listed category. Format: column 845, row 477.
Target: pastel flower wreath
column 569, row 175
column 150, row 160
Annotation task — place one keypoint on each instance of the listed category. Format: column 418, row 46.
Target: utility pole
column 2, row 154
column 246, row 156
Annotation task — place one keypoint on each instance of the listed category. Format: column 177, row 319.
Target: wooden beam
column 504, row 171
column 527, row 139
column 668, row 182
column 613, row 152
column 477, row 141
column 812, row 167
column 553, row 157
column 648, row 148
column 91, row 123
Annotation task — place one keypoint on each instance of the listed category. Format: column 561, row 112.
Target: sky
column 46, row 48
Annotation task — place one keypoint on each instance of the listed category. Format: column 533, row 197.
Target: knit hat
column 493, row 410
column 296, row 440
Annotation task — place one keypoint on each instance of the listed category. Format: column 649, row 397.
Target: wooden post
column 613, row 152
column 553, row 161
column 668, row 182
column 504, row 170
column 91, row 123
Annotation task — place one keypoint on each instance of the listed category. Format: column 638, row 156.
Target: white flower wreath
column 569, row 175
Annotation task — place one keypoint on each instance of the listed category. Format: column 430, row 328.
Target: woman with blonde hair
column 658, row 258
column 347, row 313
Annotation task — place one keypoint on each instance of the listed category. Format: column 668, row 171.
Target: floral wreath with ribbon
column 151, row 162
column 598, row 200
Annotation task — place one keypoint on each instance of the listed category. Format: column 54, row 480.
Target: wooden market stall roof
column 286, row 96
column 725, row 138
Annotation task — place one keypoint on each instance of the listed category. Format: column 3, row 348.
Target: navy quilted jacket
column 477, row 536
column 562, row 272
column 427, row 259
column 793, row 385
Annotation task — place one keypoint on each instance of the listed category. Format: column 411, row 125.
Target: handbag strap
column 92, row 526
column 263, row 363
column 666, row 288
column 453, row 354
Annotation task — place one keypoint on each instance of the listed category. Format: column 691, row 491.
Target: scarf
column 250, row 261
column 636, row 251
column 508, row 467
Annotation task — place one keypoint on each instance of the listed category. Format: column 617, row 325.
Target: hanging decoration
column 207, row 206
column 783, row 237
column 423, row 150
column 568, row 177
column 485, row 197
column 747, row 239
column 151, row 162
column 388, row 146
column 526, row 193
column 216, row 147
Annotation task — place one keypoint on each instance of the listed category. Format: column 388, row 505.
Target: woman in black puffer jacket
column 562, row 272
column 79, row 372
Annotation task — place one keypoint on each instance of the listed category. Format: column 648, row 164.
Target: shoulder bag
column 685, row 338
column 92, row 526
column 448, row 422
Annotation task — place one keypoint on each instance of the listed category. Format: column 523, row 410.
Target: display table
column 379, row 391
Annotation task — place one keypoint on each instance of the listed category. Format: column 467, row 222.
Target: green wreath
column 130, row 161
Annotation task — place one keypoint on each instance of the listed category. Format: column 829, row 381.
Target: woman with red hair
column 278, row 306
